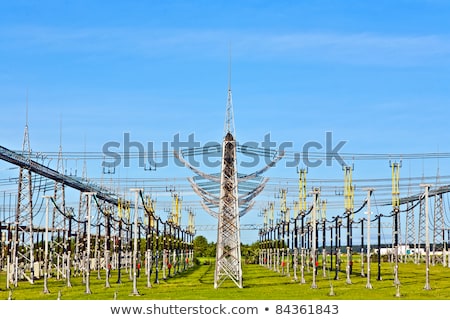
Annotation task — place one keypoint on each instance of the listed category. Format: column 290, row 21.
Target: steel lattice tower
column 59, row 227
column 23, row 250
column 223, row 199
column 228, row 251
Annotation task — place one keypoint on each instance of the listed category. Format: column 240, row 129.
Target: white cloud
column 360, row 48
column 356, row 48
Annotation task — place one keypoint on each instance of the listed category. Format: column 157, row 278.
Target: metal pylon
column 228, row 251
column 23, row 247
column 222, row 198
column 60, row 233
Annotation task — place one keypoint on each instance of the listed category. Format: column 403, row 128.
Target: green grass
column 259, row 283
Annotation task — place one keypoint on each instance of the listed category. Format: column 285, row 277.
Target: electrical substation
column 331, row 228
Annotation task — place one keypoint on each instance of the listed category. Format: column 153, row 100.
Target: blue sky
column 374, row 73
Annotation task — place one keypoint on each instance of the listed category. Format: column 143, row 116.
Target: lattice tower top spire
column 229, row 117
column 26, row 149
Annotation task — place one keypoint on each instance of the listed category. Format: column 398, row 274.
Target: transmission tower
column 59, row 250
column 228, row 251
column 223, row 198
column 23, row 247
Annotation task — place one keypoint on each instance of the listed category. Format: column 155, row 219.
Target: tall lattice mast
column 223, row 199
column 59, row 227
column 23, row 255
column 229, row 117
column 228, row 251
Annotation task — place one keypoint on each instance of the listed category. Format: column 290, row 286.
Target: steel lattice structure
column 23, row 246
column 228, row 196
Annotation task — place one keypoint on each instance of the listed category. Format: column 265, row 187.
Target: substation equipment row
column 312, row 243
column 108, row 233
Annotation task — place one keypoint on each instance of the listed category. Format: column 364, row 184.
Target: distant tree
column 211, row 249
column 250, row 252
column 201, row 246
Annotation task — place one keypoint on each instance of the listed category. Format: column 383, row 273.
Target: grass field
column 260, row 283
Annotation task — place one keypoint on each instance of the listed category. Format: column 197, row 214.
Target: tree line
column 205, row 249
